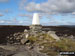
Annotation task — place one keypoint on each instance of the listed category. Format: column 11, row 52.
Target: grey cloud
column 4, row 0
column 73, row 13
column 1, row 15
column 52, row 6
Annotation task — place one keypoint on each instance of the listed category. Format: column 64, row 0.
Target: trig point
column 36, row 26
column 36, row 19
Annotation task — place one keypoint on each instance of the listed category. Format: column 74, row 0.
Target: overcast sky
column 51, row 12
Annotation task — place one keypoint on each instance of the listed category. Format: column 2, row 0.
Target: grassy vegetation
column 51, row 46
column 32, row 38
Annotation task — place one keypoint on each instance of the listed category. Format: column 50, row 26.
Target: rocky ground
column 19, row 45
column 19, row 50
column 36, row 44
column 22, row 44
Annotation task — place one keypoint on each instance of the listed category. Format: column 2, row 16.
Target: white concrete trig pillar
column 36, row 19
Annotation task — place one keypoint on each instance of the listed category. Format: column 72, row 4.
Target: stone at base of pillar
column 35, row 28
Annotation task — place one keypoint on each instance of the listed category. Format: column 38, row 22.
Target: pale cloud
column 22, row 4
column 70, row 23
column 8, row 10
column 30, row 16
column 53, row 23
column 14, row 21
column 25, row 15
column 2, row 21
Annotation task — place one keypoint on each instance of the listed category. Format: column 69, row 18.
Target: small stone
column 23, row 41
column 25, row 31
column 27, row 35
